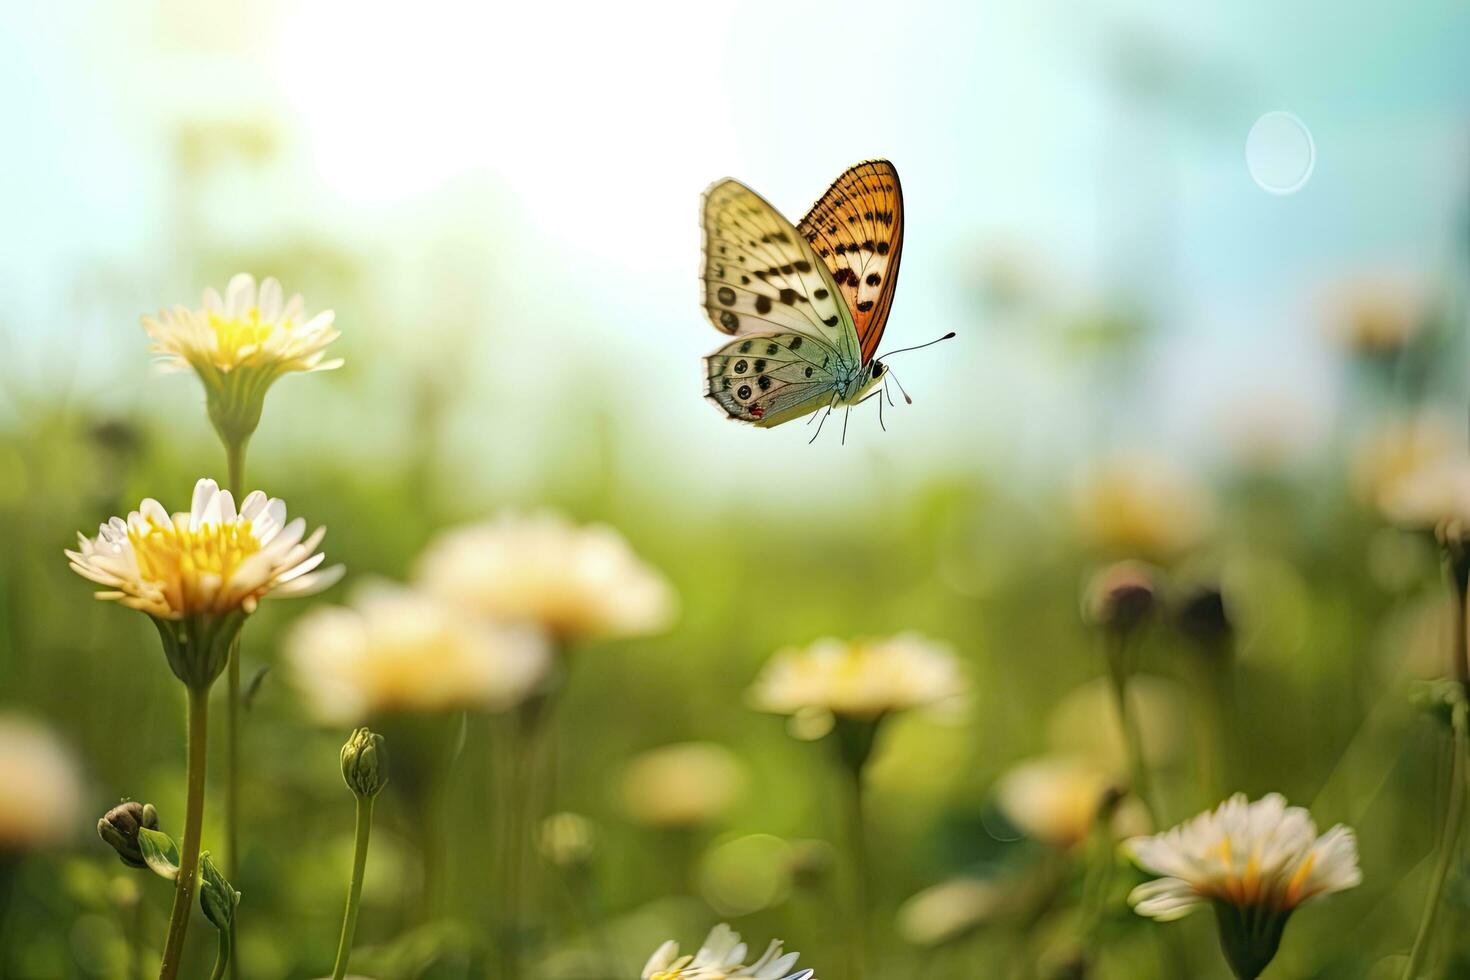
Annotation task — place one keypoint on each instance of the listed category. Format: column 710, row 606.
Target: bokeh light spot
column 1280, row 153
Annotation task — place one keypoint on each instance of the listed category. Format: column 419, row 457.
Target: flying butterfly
column 806, row 304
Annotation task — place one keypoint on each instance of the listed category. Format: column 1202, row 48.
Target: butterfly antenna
column 903, row 350
column 889, row 374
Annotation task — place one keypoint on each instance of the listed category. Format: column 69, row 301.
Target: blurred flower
column 1121, row 597
column 683, row 785
column 397, row 649
column 567, row 839
column 948, row 911
column 239, row 345
column 862, row 679
column 575, row 582
column 1254, row 862
column 722, row 958
column 198, row 574
column 1058, row 799
column 1141, row 506
column 364, row 763
column 1376, row 315
column 1397, row 451
column 40, row 791
column 119, row 828
column 1431, row 495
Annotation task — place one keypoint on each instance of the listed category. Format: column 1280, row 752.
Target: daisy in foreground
column 239, row 344
column 1255, row 863
column 198, row 575
column 722, row 958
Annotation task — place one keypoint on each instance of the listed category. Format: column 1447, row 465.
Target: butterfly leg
column 867, row 397
column 823, row 420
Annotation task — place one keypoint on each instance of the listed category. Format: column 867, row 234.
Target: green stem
column 235, row 464
column 856, row 834
column 1117, row 656
column 222, row 956
column 178, row 917
column 1454, row 818
column 354, row 891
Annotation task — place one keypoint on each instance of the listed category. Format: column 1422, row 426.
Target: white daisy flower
column 397, row 649
column 199, row 573
column 862, row 679
column 574, row 582
column 1254, row 862
column 722, row 958
column 239, row 344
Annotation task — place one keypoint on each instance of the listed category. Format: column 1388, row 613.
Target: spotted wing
column 760, row 276
column 770, row 378
column 856, row 229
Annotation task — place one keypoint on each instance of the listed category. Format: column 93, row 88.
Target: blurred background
column 1156, row 359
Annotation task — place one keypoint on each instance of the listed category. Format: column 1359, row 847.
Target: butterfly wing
column 761, row 276
column 770, row 378
column 856, row 230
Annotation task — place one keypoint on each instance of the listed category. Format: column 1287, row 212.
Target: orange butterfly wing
column 856, row 229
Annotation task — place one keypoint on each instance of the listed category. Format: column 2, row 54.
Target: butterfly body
column 806, row 304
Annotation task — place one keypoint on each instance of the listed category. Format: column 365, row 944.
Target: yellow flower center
column 238, row 338
column 180, row 561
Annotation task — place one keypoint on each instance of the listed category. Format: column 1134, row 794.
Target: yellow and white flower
column 722, row 958
column 199, row 573
column 239, row 344
column 1140, row 506
column 687, row 784
column 1058, row 799
column 397, row 649
column 574, row 582
column 1255, row 863
column 1243, row 853
column 860, row 679
column 41, row 792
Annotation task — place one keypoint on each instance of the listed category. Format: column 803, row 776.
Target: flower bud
column 1204, row 618
column 364, row 763
column 1121, row 597
column 119, row 828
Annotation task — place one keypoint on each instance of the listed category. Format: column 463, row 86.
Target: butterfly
column 806, row 304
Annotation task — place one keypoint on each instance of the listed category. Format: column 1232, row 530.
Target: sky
column 523, row 183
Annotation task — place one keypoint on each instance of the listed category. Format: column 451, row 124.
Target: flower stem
column 354, row 891
column 1454, row 818
column 235, row 463
column 222, row 956
column 861, row 872
column 184, row 883
column 1117, row 656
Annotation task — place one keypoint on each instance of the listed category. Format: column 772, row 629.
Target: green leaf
column 159, row 852
column 217, row 897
